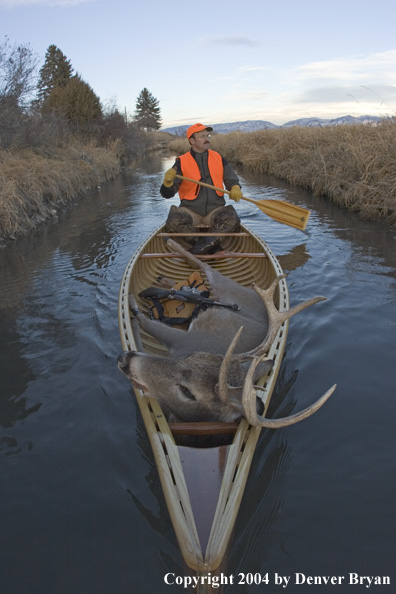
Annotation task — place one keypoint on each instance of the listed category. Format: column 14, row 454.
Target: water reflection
column 16, row 374
column 267, row 501
column 73, row 447
column 298, row 256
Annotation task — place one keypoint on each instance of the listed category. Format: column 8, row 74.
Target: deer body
column 212, row 330
column 204, row 377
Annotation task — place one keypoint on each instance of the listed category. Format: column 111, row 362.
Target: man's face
column 200, row 141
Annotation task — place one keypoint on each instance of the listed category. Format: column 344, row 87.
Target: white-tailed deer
column 212, row 367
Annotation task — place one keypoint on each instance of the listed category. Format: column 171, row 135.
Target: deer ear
column 263, row 368
column 236, row 405
column 234, row 394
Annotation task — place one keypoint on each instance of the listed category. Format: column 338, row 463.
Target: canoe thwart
column 217, row 255
column 203, row 428
column 203, row 234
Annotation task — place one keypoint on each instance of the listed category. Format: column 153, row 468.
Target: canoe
column 203, row 467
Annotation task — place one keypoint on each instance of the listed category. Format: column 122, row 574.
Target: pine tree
column 147, row 113
column 55, row 72
column 75, row 100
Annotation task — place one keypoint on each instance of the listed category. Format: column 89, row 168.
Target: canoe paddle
column 279, row 210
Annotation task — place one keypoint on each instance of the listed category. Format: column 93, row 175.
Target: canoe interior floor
column 203, row 472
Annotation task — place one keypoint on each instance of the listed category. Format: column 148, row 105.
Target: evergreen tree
column 55, row 72
column 75, row 100
column 147, row 113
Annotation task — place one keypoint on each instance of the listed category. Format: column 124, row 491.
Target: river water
column 80, row 503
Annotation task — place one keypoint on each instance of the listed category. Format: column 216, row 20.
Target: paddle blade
column 284, row 212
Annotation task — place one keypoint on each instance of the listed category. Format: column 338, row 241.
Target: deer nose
column 123, row 359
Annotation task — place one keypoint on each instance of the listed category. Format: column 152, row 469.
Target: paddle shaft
column 279, row 210
column 200, row 183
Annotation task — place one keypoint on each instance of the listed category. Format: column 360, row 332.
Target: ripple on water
column 73, row 448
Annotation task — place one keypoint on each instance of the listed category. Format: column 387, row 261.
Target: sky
column 216, row 61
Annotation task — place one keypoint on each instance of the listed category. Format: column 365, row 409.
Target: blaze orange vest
column 189, row 167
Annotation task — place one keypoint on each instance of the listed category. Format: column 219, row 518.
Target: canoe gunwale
column 165, row 449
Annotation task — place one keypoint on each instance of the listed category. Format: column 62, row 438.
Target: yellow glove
column 236, row 193
column 169, row 177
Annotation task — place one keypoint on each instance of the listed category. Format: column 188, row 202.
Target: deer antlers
column 249, row 405
column 258, row 355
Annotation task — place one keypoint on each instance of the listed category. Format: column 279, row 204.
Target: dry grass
column 33, row 187
column 354, row 166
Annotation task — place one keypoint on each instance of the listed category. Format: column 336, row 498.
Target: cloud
column 229, row 40
column 376, row 94
column 363, row 84
column 329, row 94
column 248, row 95
column 354, row 85
column 223, row 78
column 16, row 3
column 251, row 68
column 353, row 69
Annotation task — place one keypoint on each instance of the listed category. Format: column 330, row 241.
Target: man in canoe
column 201, row 208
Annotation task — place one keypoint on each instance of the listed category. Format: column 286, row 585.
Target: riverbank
column 34, row 187
column 354, row 166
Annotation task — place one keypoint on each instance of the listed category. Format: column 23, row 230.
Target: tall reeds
column 33, row 186
column 355, row 166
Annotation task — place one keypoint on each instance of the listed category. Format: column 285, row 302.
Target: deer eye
column 187, row 393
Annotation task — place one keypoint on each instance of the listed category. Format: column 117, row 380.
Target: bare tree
column 18, row 66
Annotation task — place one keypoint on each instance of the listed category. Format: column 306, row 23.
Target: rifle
column 187, row 294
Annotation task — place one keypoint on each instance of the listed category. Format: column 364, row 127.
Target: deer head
column 212, row 387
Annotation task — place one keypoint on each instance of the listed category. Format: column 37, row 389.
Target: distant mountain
column 321, row 123
column 248, row 126
column 253, row 125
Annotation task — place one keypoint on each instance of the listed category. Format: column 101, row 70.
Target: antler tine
column 222, row 385
column 249, row 393
column 275, row 317
column 249, row 404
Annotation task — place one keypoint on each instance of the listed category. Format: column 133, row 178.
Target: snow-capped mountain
column 253, row 125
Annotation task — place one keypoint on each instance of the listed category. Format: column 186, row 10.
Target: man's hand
column 236, row 193
column 169, row 177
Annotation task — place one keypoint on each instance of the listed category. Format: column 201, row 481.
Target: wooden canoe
column 203, row 486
